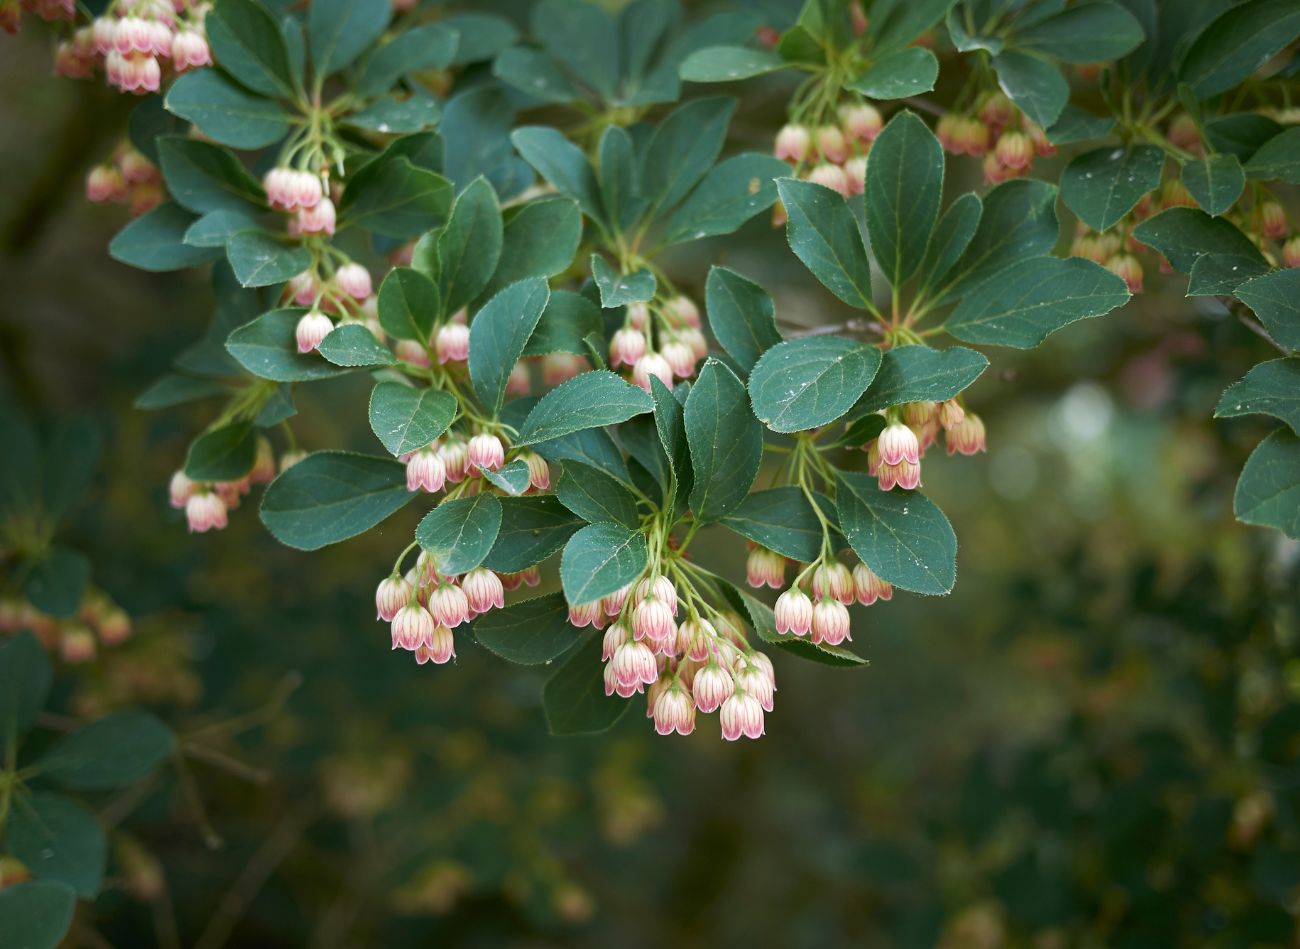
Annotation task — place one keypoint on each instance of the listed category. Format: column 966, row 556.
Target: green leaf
column 408, row 304
column 354, row 345
column 1278, row 159
column 261, row 259
column 670, row 426
column 726, row 442
column 393, row 115
column 174, row 389
column 155, row 241
column 203, row 177
column 728, row 63
column 620, row 179
column 810, row 382
column 498, row 335
column 596, row 496
column 36, row 915
column 539, row 240
column 764, row 626
column 1270, row 388
column 1024, row 303
column 247, row 42
column 481, row 36
column 458, row 534
column 393, row 197
column 904, row 72
column 1268, row 492
column 531, row 632
column 1184, row 234
column 589, row 400
column 56, row 583
column 25, row 675
column 574, row 698
column 1104, row 185
column 824, row 234
column 682, row 148
column 224, row 112
column 741, row 315
column 904, row 187
column 339, row 31
column 111, row 752
column 567, row 319
column 599, row 559
column 921, row 374
column 266, row 348
column 1091, row 32
column 561, row 163
column 532, row 528
column 618, row 289
column 1236, row 43
column 582, row 36
column 897, row 24
column 470, row 245
column 1033, row 83
column 780, row 519
column 513, row 479
column 1240, row 133
column 405, row 418
column 952, row 235
column 729, row 195
column 223, row 454
column 536, row 75
column 1215, row 182
column 1275, row 298
column 901, row 535
column 1018, row 221
column 1222, row 274
column 432, row 46
column 216, row 228
column 330, row 496
column 1078, row 125
column 58, row 840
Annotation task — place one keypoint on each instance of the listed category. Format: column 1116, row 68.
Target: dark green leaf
column 596, row 496
column 530, row 632
column 266, row 348
column 340, row 30
column 1238, row 42
column 904, row 72
column 532, row 528
column 1271, row 388
column 741, row 315
column 458, row 534
column 111, row 752
column 1019, row 221
column 574, row 698
column 1024, row 303
column 1240, row 133
column 405, row 418
column 513, row 479
column 582, row 36
column 1092, row 32
column 620, row 179
column 36, row 915
column 897, row 24
column 260, row 259
column 481, row 35
column 470, row 245
column 1103, row 185
column 824, row 234
column 25, row 675
column 535, row 74
column 599, row 559
column 539, row 240
column 330, row 496
column 216, row 228
column 1215, row 182
column 1278, row 159
column 1268, row 492
column 408, row 304
column 728, row 63
column 155, row 241
column 901, row 535
column 393, row 197
column 204, row 178
column 247, row 43
column 173, row 389
column 921, row 374
column 56, row 583
column 810, row 382
column 561, row 163
column 764, row 626
column 780, row 519
column 904, row 187
column 1184, row 234
column 1221, row 274
column 1034, row 84
column 498, row 335
column 682, row 148
column 58, row 840
column 567, row 319
column 354, row 345
column 1275, row 298
column 224, row 112
column 729, row 195
column 618, row 289
column 431, row 46
column 223, row 454
column 392, row 115
column 589, row 400
column 1078, row 125
column 952, row 235
column 726, row 442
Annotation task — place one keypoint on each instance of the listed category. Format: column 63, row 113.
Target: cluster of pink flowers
column 823, row 617
column 348, row 294
column 98, row 622
column 423, row 607
column 831, row 154
column 306, row 196
column 207, row 505
column 136, row 43
column 128, row 178
column 676, row 326
column 453, row 458
column 1000, row 133
column 894, row 456
column 699, row 664
column 11, row 12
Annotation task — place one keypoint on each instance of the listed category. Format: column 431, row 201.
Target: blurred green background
column 1094, row 741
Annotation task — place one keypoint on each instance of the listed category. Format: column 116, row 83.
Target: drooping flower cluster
column 128, row 178
column 824, row 616
column 207, row 504
column 833, row 151
column 671, row 325
column 700, row 664
column 347, row 294
column 97, row 622
column 997, row 131
column 423, row 606
column 136, row 43
column 894, row 456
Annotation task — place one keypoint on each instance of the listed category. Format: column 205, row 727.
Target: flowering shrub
column 363, row 182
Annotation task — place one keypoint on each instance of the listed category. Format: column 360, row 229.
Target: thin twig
column 226, row 762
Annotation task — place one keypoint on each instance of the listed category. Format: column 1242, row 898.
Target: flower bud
column 996, row 109
column 741, row 715
column 455, row 459
column 654, row 621
column 612, row 603
column 1127, row 268
column 752, row 680
column 539, row 472
column 393, row 594
column 711, row 687
column 627, row 346
column 486, row 452
column 948, row 131
column 652, row 364
column 1174, row 194
column 583, row 614
column 205, row 511
column 439, row 647
column 682, row 311
column 105, row 183
column 290, row 458
column 830, row 622
column 561, row 367
column 897, row 443
column 114, row 627
column 302, row 288
column 1015, row 150
column 319, row 219
column 614, row 687
column 449, row 605
column 693, row 338
column 1271, row 220
column 830, row 176
column 311, row 330
column 833, row 579
column 483, row 590
column 905, row 474
column 1291, row 252
column 77, row 644
column 519, row 382
column 973, row 136
column 831, row 145
column 190, row 50
column 966, row 437
column 411, row 626
column 794, row 612
column 354, row 280
column 452, row 343
column 680, row 357
column 860, row 121
column 765, row 568
column 615, row 636
column 793, row 144
column 674, row 710
column 634, row 663
column 868, row 587
column 855, row 173
column 180, row 488
column 638, row 314
column 1184, row 134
